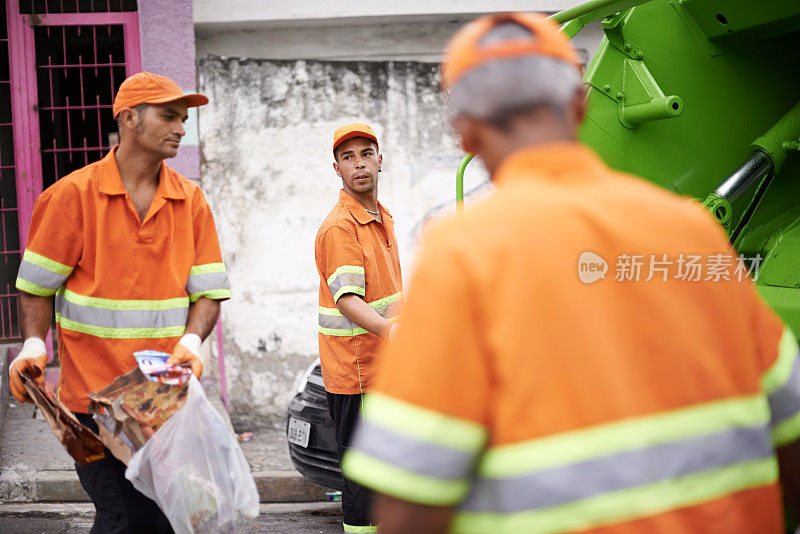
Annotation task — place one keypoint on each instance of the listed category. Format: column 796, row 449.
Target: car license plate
column 299, row 432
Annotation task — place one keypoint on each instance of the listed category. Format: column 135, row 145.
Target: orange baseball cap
column 348, row 131
column 147, row 88
column 464, row 52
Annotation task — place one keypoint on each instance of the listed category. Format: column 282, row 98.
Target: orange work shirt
column 355, row 254
column 535, row 401
column 121, row 284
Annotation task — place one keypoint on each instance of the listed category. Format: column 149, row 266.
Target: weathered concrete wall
column 266, row 143
column 389, row 40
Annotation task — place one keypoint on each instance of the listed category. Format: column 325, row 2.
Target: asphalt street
column 301, row 518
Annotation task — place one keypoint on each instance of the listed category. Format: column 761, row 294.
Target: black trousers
column 120, row 509
column 356, row 499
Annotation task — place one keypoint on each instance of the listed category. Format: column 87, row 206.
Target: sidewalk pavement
column 34, row 467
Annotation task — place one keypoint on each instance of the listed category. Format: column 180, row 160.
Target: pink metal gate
column 67, row 60
column 10, row 253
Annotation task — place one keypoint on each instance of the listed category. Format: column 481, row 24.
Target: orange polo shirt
column 535, row 401
column 355, row 254
column 121, row 285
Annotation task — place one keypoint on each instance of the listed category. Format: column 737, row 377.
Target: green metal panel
column 682, row 98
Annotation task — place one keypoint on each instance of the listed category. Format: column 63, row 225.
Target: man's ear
column 380, row 162
column 467, row 131
column 576, row 109
column 336, row 168
column 129, row 117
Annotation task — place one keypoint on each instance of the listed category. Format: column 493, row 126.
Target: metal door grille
column 9, row 222
column 76, row 6
column 78, row 72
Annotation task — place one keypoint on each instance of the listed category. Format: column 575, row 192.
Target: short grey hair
column 140, row 109
column 499, row 89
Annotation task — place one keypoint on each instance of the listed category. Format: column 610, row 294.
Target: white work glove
column 31, row 359
column 187, row 351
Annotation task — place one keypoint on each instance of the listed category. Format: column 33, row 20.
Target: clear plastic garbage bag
column 193, row 468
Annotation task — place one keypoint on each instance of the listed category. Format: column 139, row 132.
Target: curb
column 64, row 486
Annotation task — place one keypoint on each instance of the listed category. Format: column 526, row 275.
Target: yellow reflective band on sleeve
column 351, row 269
column 380, row 303
column 388, row 479
column 360, row 291
column 46, row 263
column 342, row 332
column 423, row 424
column 33, row 289
column 214, row 294
column 207, row 268
column 779, row 373
column 786, row 431
column 385, row 301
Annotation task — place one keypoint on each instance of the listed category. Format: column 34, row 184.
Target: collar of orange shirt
column 111, row 181
column 549, row 160
column 358, row 211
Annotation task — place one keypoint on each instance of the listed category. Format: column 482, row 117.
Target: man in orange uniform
column 128, row 250
column 359, row 291
column 517, row 397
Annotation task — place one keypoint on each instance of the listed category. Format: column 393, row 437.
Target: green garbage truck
column 702, row 97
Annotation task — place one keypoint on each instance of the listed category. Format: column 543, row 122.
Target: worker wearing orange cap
column 520, row 395
column 128, row 250
column 359, row 293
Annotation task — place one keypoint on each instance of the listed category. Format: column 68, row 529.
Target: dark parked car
column 309, row 430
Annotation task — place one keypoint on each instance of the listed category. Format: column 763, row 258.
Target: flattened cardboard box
column 134, row 402
column 128, row 403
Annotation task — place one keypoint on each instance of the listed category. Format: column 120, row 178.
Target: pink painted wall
column 166, row 34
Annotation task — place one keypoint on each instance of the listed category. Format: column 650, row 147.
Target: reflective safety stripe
column 782, row 384
column 207, row 268
column 339, row 325
column 120, row 333
column 785, row 402
column 333, row 323
column 722, row 446
column 384, row 306
column 33, row 289
column 355, row 529
column 342, row 332
column 347, row 279
column 413, row 453
column 112, row 304
column 626, row 505
column 46, row 263
column 121, row 319
column 423, row 424
column 404, row 452
column 616, row 472
column 216, row 294
column 209, row 280
column 40, row 275
column 386, row 478
column 352, row 269
column 778, row 374
column 573, row 447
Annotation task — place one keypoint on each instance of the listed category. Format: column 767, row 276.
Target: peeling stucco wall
column 266, row 144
